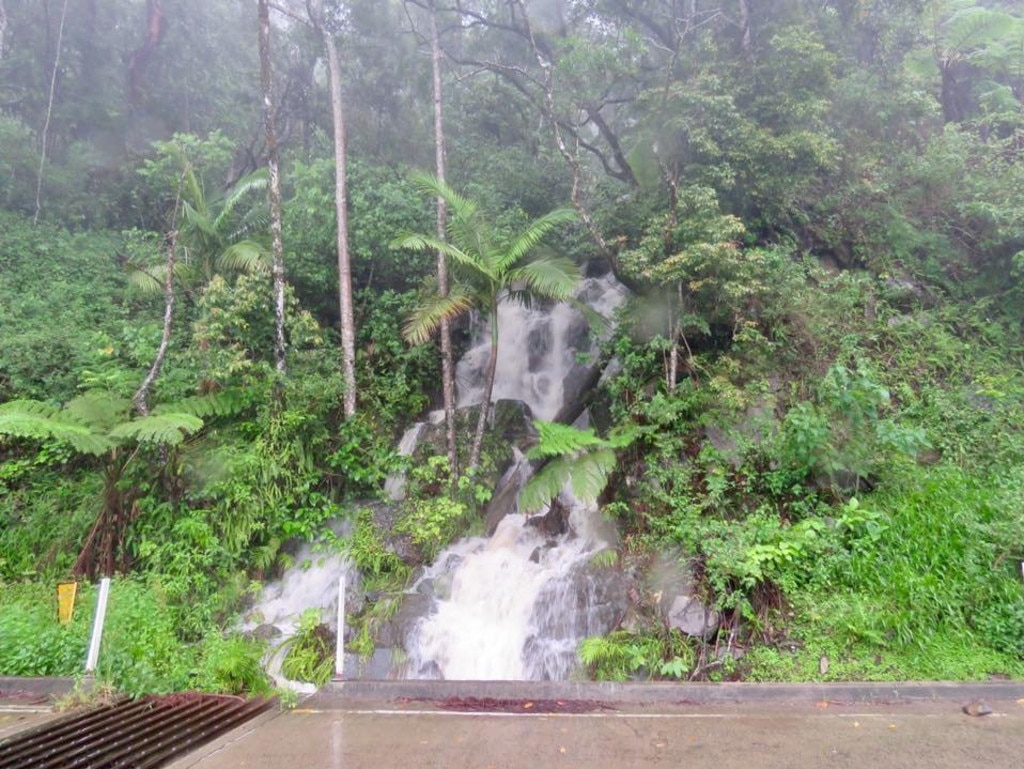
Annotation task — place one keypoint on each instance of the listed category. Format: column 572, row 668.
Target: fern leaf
column 97, row 409
column 589, row 474
column 544, row 486
column 219, row 404
column 25, row 406
column 41, row 422
column 556, row 440
column 168, row 429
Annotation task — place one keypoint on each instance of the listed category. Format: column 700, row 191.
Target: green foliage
column 310, row 652
column 140, row 654
column 576, row 457
column 58, row 292
column 846, row 430
column 431, row 514
column 622, row 655
column 366, row 548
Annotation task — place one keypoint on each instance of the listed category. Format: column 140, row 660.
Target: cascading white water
column 312, row 583
column 490, row 622
column 515, row 606
column 538, row 348
column 394, row 486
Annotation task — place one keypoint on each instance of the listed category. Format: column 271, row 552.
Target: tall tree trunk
column 3, row 27
column 45, row 138
column 348, row 325
column 745, row 30
column 447, row 358
column 141, row 399
column 139, row 60
column 277, row 268
column 485, row 404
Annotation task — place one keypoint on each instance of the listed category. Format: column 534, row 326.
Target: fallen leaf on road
column 977, row 708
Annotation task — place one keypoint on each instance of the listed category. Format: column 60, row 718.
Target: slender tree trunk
column 45, row 139
column 673, row 352
column 745, row 30
column 447, row 358
column 141, row 399
column 139, row 60
column 277, row 268
column 485, row 404
column 348, row 325
column 3, row 27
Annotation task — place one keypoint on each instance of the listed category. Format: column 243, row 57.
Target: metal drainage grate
column 130, row 734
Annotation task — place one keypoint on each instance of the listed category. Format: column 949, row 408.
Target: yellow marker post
column 66, row 592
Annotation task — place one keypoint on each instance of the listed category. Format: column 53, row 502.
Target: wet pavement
column 386, row 734
column 726, row 727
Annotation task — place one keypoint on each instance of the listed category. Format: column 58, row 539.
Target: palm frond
column 197, row 221
column 550, row 277
column 146, row 280
column 459, row 206
column 527, row 240
column 418, row 241
column 257, row 180
column 425, row 319
column 244, row 256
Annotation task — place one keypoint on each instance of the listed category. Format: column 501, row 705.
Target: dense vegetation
column 819, row 208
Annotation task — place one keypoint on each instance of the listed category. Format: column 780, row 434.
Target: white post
column 97, row 627
column 339, row 648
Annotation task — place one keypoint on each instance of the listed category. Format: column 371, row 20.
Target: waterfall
column 312, row 583
column 539, row 350
column 394, row 486
column 516, row 605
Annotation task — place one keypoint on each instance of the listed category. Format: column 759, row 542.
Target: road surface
column 382, row 735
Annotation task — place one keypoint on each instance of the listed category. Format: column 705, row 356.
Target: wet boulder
column 690, row 616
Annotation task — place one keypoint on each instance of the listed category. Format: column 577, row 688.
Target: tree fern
column 556, row 440
column 40, row 421
column 577, row 457
column 167, row 429
column 98, row 409
column 219, row 404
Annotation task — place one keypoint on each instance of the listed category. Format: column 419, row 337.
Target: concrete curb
column 52, row 688
column 337, row 694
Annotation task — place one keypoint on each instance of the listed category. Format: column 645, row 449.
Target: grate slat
column 141, row 734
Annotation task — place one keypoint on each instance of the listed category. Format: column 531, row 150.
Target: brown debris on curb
column 492, row 705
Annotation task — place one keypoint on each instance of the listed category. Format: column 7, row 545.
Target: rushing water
column 514, row 605
column 310, row 584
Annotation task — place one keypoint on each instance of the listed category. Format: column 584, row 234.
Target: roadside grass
column 932, row 590
column 140, row 651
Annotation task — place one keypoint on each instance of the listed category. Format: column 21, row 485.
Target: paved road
column 379, row 735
